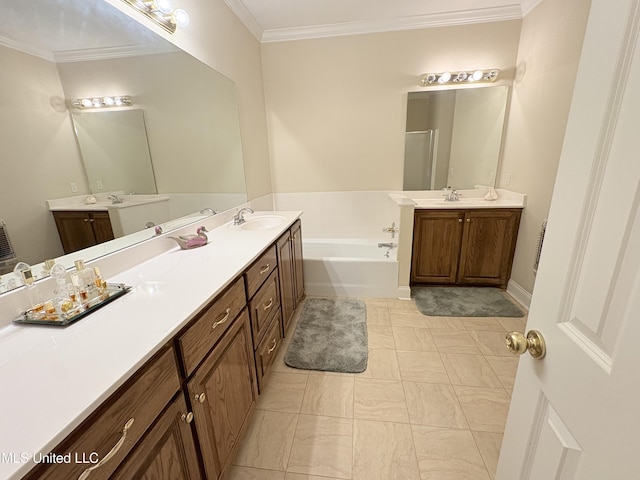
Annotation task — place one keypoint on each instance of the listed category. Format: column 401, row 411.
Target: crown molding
column 528, row 5
column 86, row 54
column 465, row 17
column 245, row 16
column 28, row 49
column 110, row 53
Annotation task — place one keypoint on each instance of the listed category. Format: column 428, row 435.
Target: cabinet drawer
column 263, row 307
column 258, row 272
column 111, row 432
column 201, row 335
column 268, row 349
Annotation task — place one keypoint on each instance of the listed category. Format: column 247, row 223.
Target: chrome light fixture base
column 161, row 13
column 457, row 78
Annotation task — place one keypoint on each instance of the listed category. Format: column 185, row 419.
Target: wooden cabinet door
column 75, row 230
column 287, row 286
column 223, row 392
column 296, row 248
column 488, row 245
column 167, row 451
column 436, row 246
column 101, row 226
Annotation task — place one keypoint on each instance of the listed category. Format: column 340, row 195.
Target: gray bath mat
column 331, row 336
column 464, row 302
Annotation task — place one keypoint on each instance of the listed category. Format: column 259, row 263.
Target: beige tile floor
column 431, row 405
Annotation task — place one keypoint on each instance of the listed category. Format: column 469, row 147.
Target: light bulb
column 165, row 6
column 461, row 77
column 445, row 77
column 109, row 101
column 180, row 18
column 96, row 102
column 477, row 75
column 431, row 77
column 86, row 102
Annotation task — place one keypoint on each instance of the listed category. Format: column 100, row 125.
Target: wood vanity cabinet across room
column 464, row 247
column 183, row 414
column 82, row 229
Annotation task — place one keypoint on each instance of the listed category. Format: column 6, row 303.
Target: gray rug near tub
column 464, row 302
column 331, row 336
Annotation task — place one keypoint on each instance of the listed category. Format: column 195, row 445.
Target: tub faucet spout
column 387, row 245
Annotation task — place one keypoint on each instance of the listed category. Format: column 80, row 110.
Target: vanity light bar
column 102, row 102
column 451, row 78
column 161, row 12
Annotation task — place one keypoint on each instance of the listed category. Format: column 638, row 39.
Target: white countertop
column 54, row 377
column 101, row 202
column 468, row 199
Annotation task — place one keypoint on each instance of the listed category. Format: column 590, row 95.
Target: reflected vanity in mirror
column 58, row 52
column 454, row 137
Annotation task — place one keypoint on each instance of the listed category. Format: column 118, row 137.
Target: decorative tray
column 114, row 290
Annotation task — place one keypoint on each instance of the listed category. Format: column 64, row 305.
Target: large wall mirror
column 453, row 137
column 185, row 112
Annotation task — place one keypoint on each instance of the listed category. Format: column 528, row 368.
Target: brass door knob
column 518, row 344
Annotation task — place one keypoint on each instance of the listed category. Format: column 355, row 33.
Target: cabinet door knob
column 86, row 219
column 187, row 417
column 468, row 220
column 459, row 220
column 201, row 397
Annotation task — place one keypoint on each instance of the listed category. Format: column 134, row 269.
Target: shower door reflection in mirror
column 466, row 139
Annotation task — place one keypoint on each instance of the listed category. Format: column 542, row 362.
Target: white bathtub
column 349, row 268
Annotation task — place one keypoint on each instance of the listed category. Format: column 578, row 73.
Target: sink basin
column 263, row 222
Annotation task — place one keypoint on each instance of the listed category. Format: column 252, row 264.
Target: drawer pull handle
column 222, row 320
column 265, row 268
column 187, row 417
column 201, row 397
column 275, row 342
column 111, row 453
column 268, row 305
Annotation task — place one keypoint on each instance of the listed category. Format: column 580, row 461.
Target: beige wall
column 337, row 106
column 216, row 37
column 40, row 158
column 550, row 46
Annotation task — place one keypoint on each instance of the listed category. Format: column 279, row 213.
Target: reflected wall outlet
column 99, row 185
column 507, row 179
column 74, row 188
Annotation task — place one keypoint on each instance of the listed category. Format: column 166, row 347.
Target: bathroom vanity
column 83, row 229
column 163, row 381
column 470, row 241
column 464, row 247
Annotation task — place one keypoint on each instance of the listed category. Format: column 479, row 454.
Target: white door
column 575, row 414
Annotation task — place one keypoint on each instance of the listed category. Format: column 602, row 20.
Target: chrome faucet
column 239, row 217
column 114, row 198
column 451, row 195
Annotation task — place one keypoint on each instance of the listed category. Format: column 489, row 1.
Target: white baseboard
column 519, row 294
column 404, row 293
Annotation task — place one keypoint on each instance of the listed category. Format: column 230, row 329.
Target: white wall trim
column 244, row 15
column 464, row 17
column 528, row 6
column 107, row 53
column 28, row 49
column 519, row 294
